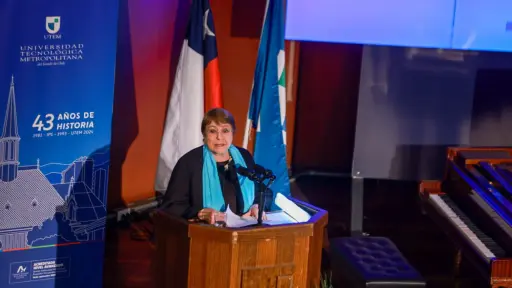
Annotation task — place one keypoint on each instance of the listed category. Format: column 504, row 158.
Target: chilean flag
column 196, row 89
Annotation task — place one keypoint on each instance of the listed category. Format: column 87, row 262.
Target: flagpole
column 247, row 131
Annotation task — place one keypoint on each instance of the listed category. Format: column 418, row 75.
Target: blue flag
column 267, row 108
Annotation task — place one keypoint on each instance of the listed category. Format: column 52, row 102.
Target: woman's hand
column 211, row 216
column 253, row 212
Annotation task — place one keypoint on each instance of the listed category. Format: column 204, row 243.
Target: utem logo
column 53, row 27
column 21, row 269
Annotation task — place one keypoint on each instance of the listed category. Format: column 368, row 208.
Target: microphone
column 267, row 174
column 246, row 172
column 263, row 173
column 258, row 175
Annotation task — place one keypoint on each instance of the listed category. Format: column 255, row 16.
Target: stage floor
column 391, row 210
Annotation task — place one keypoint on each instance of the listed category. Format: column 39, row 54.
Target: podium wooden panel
column 199, row 255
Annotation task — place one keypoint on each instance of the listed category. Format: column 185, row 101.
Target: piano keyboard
column 483, row 243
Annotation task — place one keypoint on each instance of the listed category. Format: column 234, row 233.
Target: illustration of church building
column 28, row 199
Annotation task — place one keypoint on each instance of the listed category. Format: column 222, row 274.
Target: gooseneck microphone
column 258, row 175
column 246, row 172
column 266, row 173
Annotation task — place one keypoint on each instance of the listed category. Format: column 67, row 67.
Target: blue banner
column 57, row 62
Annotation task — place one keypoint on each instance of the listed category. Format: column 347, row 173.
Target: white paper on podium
column 291, row 213
column 235, row 221
column 273, row 218
column 292, row 209
column 279, row 218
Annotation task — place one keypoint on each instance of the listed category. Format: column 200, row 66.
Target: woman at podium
column 205, row 181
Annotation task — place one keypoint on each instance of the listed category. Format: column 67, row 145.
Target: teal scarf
column 212, row 192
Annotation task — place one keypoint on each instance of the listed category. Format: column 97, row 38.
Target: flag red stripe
column 212, row 86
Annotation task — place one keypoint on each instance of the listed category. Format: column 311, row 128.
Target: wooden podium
column 200, row 255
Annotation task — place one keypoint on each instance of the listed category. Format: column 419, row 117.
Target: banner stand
column 56, row 100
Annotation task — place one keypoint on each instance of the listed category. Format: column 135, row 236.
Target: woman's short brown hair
column 218, row 116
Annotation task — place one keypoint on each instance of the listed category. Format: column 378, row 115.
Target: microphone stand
column 258, row 179
column 261, row 203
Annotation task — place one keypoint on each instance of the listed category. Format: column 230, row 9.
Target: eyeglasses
column 214, row 132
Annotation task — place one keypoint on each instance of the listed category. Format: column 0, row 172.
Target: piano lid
column 465, row 156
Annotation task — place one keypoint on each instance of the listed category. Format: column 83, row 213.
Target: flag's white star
column 206, row 29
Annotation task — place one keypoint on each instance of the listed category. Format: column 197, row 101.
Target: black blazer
column 184, row 195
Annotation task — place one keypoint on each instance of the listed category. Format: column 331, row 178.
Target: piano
column 473, row 206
